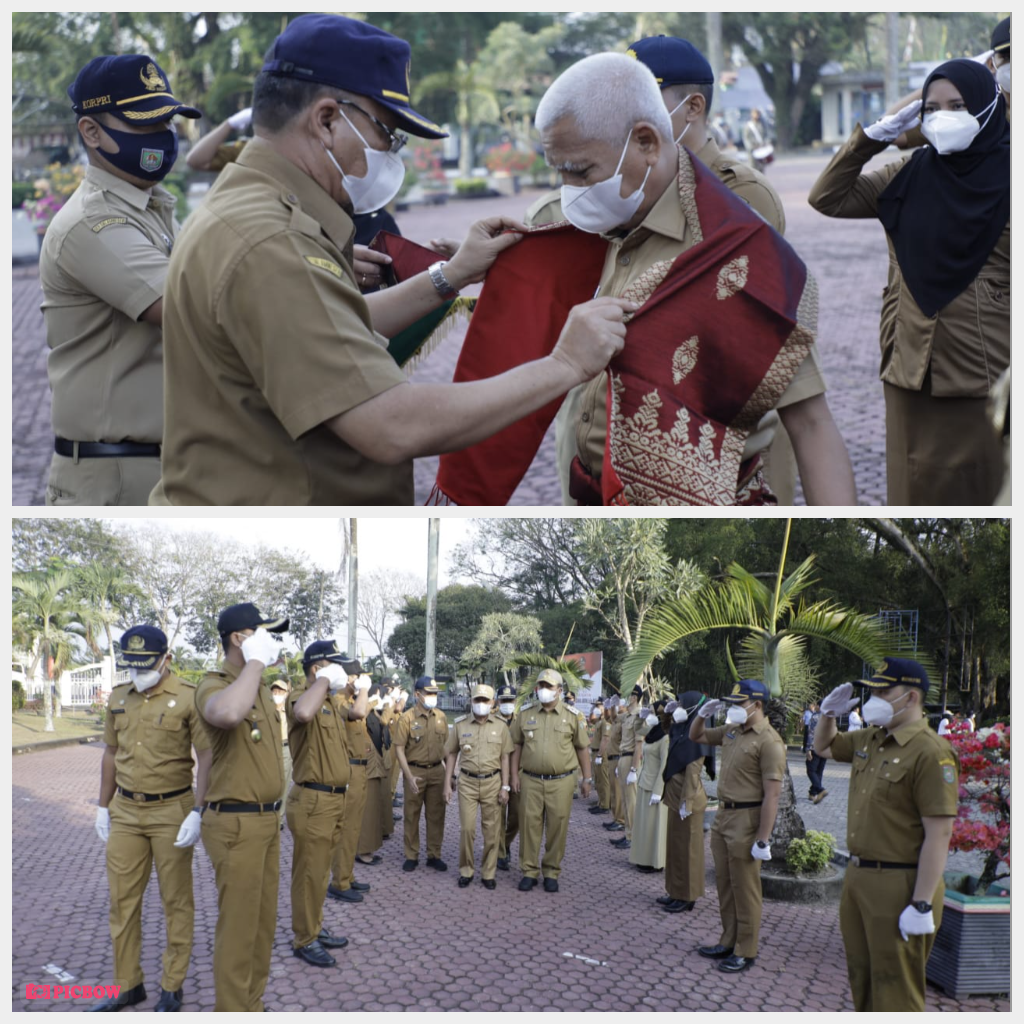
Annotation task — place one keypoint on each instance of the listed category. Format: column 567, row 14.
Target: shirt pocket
column 892, row 784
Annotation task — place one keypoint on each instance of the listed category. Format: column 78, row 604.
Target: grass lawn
column 29, row 727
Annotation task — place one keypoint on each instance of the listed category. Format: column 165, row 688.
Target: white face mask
column 1003, row 77
column 679, row 715
column 601, row 207
column 546, row 696
column 279, row 698
column 878, row 711
column 430, row 702
column 481, row 708
column 689, row 124
column 385, row 173
column 952, row 131
column 737, row 716
column 145, row 678
column 506, row 709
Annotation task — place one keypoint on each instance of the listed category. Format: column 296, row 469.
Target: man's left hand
column 502, row 797
column 913, row 922
column 484, row 243
column 585, row 790
column 368, row 266
column 188, row 834
column 761, row 853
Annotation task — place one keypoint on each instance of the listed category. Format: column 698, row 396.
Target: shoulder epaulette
column 527, row 707
column 461, row 718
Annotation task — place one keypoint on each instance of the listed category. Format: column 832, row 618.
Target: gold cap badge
column 152, row 79
column 136, row 643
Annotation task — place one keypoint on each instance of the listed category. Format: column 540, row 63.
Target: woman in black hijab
column 685, row 800
column 945, row 330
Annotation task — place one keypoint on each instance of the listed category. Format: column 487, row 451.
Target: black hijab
column 681, row 749
column 945, row 214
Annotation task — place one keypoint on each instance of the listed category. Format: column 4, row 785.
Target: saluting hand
column 708, row 708
column 840, row 701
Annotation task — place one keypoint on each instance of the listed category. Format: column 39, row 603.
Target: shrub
column 19, row 695
column 22, row 190
column 811, row 855
column 470, row 186
column 508, row 158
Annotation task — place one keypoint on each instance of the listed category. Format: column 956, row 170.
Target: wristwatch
column 201, row 809
column 508, row 789
column 588, row 780
column 761, row 844
column 440, row 282
column 921, row 907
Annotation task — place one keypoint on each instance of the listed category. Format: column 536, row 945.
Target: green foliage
column 502, row 635
column 470, row 186
column 19, row 695
column 22, row 190
column 177, row 184
column 812, row 854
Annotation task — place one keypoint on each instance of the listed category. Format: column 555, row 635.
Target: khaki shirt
column 266, row 339
column 103, row 264
column 650, row 778
column 966, row 345
column 244, row 770
column 550, row 737
column 423, row 734
column 749, row 758
column 480, row 745
column 319, row 749
column 356, row 736
column 154, row 733
column 895, row 781
column 613, row 730
column 630, row 733
column 664, row 234
column 750, row 185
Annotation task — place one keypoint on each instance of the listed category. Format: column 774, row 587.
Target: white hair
column 605, row 95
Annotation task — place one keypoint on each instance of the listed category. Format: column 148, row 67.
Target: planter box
column 971, row 955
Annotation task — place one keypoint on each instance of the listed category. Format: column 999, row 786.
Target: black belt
column 473, row 775
column 614, row 757
column 320, row 788
column 414, row 764
column 546, row 777
column 145, row 798
column 729, row 806
column 352, row 760
column 857, row 862
column 245, row 808
column 102, row 450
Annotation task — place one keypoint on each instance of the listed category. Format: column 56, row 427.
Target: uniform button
column 624, row 261
column 292, row 198
column 585, row 417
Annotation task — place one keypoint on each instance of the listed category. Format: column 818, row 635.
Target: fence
column 81, row 686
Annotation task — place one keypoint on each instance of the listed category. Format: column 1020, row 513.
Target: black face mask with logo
column 149, row 156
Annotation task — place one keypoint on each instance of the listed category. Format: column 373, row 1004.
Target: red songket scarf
column 719, row 336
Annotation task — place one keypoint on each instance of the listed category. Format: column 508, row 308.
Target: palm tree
column 773, row 648
column 101, row 587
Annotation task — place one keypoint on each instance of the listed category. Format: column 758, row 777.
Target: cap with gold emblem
column 484, row 691
column 237, row 617
column 327, row 650
column 142, row 647
column 132, row 87
column 1001, row 36
column 549, row 676
column 748, row 689
column 898, row 672
column 673, row 61
column 333, row 50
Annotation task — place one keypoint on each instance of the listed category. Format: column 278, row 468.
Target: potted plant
column 506, row 161
column 51, row 193
column 971, row 954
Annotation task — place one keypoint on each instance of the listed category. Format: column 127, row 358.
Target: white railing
column 81, row 686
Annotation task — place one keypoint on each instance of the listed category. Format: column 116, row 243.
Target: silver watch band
column 440, row 282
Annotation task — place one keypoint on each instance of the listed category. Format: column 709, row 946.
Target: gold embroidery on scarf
column 684, row 360
column 732, row 277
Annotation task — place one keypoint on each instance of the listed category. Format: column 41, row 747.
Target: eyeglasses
column 396, row 140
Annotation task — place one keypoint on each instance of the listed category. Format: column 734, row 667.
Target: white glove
column 363, row 682
column 188, row 834
column 598, row 760
column 241, row 120
column 103, row 823
column 913, row 922
column 887, row 128
column 335, row 675
column 631, row 777
column 671, row 706
column 840, row 701
column 261, row 646
column 761, row 854
column 709, row 708
column 683, row 812
column 984, row 58
column 655, row 799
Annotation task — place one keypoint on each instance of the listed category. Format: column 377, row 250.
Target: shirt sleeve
column 506, row 741
column 937, row 783
column 400, row 732
column 207, row 688
column 843, row 746
column 714, row 737
column 451, row 743
column 581, row 739
column 773, row 761
column 198, row 731
column 808, row 381
column 516, row 732
column 109, row 732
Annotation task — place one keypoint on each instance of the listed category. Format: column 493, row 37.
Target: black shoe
column 489, row 883
column 345, row 895
column 735, row 964
column 329, row 941
column 169, row 1002
column 599, row 810
column 622, row 844
column 437, row 864
column 315, row 954
column 396, row 817
column 666, row 900
column 410, row 865
column 715, row 952
column 526, row 884
column 645, row 868
column 503, row 863
column 361, row 886
column 614, row 826
column 129, row 998
column 551, row 885
column 387, row 837
column 396, row 801
column 678, row 906
column 372, row 862
column 464, row 881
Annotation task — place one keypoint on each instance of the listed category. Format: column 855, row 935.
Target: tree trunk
column 48, row 692
column 465, row 151
column 788, row 823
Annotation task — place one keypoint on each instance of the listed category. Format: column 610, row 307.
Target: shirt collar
column 708, row 153
column 137, row 197
column 665, row 218
column 905, row 733
column 230, row 670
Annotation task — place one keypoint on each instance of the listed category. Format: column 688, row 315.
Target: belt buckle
column 855, row 860
column 139, row 798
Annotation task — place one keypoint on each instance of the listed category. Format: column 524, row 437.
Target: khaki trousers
column 430, row 783
column 509, row 825
column 315, row 821
column 622, row 768
column 371, row 836
column 886, row 973
column 344, row 856
column 738, row 877
column 684, row 847
column 601, row 781
column 544, row 809
column 479, row 795
column 101, row 481
column 141, row 833
column 245, row 850
column 618, row 809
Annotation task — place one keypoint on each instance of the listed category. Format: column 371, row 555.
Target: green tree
column 104, row 592
column 502, row 636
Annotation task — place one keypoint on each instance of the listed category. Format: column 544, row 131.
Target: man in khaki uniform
column 481, row 744
column 315, row 808
column 240, row 823
column 628, row 765
column 609, row 752
column 419, row 739
column 595, row 730
column 150, row 730
column 749, row 786
column 279, row 389
column 509, row 812
column 904, row 785
column 659, row 230
column 102, row 270
column 550, row 741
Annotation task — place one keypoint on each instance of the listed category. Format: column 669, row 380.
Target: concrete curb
column 71, row 741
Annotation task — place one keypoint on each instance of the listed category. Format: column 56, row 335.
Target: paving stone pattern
column 418, row 942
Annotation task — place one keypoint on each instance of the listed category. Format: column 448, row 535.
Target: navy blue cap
column 673, row 61
column 247, row 616
column 327, row 650
column 898, row 672
column 426, row 683
column 142, row 647
column 506, row 690
column 132, row 87
column 748, row 689
column 1001, row 36
column 343, row 53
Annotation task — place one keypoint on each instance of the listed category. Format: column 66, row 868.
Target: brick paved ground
column 847, row 257
column 420, row 943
